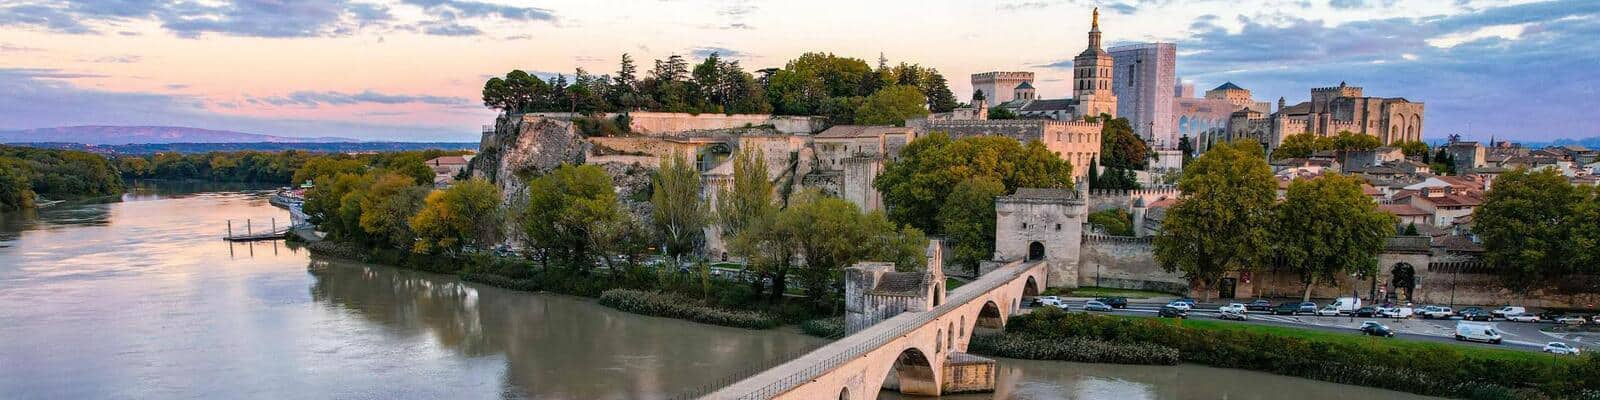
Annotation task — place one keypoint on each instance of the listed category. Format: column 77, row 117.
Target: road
column 1517, row 336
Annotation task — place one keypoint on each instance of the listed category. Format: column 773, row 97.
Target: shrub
column 824, row 327
column 1073, row 349
column 1424, row 368
column 677, row 306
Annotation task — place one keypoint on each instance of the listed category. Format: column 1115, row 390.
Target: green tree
column 1222, row 222
column 465, row 214
column 1347, row 141
column 1412, row 148
column 334, row 204
column 1326, row 227
column 387, row 208
column 1186, row 146
column 563, row 207
column 748, row 199
column 968, row 220
column 1000, row 113
column 1526, row 224
column 940, row 98
column 1586, row 234
column 1301, row 145
column 1116, row 221
column 1119, row 146
column 892, row 106
column 1443, row 163
column 678, row 214
column 324, row 167
column 1411, row 230
column 16, row 192
column 830, row 233
column 915, row 186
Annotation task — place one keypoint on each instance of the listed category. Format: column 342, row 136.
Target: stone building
column 1041, row 225
column 1145, row 83
column 1000, row 86
column 1092, row 92
column 856, row 154
column 1077, row 142
column 875, row 291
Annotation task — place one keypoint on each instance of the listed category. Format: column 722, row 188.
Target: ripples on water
column 139, row 298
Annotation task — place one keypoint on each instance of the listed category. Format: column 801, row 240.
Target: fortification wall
column 1106, row 199
column 651, row 123
column 1125, row 262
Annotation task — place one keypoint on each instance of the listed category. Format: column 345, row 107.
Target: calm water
column 141, row 299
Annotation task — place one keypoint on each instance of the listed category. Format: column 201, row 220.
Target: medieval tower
column 1091, row 76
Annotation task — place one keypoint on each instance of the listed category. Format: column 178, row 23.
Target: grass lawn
column 1089, row 291
column 952, row 283
column 1357, row 339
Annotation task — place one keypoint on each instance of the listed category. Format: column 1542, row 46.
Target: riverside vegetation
column 1424, row 368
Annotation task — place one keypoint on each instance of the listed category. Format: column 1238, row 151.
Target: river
column 140, row 299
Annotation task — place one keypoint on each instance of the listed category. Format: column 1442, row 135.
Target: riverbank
column 689, row 296
column 1416, row 367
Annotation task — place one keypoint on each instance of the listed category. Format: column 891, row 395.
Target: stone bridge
column 916, row 351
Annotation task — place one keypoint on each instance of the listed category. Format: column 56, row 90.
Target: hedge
column 1072, row 349
column 1424, row 368
column 824, row 327
column 676, row 306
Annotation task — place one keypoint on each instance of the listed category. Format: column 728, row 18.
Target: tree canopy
column 916, row 185
column 679, row 215
column 1222, row 222
column 968, row 220
column 1326, row 227
column 1301, row 145
column 465, row 214
column 1537, row 228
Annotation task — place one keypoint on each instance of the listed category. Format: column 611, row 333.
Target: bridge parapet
column 806, row 369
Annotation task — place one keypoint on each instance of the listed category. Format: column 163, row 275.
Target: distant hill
column 316, row 147
column 119, row 135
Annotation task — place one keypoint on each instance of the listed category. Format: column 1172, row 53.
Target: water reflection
column 1053, row 380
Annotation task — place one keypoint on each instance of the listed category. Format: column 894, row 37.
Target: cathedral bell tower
column 1091, row 76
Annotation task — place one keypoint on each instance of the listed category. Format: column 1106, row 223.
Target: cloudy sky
column 412, row 69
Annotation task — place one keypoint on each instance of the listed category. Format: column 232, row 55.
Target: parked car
column 1373, row 328
column 1507, row 310
column 1571, row 320
column 1464, row 311
column 1179, row 304
column 1475, row 315
column 1346, row 304
column 1115, row 302
column 1189, row 300
column 1307, row 308
column 1523, row 317
column 1051, row 301
column 1232, row 314
column 1329, row 311
column 1172, row 312
column 1477, row 332
column 1259, row 305
column 1365, row 312
column 1234, row 307
column 1096, row 305
column 1396, row 312
column 1439, row 312
column 1551, row 315
column 1286, row 309
column 1561, row 348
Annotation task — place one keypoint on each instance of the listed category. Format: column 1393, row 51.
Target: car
column 1477, row 332
column 1286, row 309
column 1051, row 301
column 1594, row 319
column 1561, row 348
column 1259, row 305
column 1233, row 307
column 1346, row 304
column 1172, row 312
column 1439, row 312
column 1523, row 317
column 1329, row 311
column 1395, row 312
column 1189, row 300
column 1307, row 308
column 1475, row 315
column 1179, row 304
column 1114, row 302
column 1551, row 315
column 1503, row 311
column 1373, row 328
column 1096, row 305
column 1571, row 320
column 1231, row 314
column 1365, row 312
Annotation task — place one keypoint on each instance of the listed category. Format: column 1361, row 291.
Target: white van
column 1507, row 310
column 1477, row 332
column 1346, row 304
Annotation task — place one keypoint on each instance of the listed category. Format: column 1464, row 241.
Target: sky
column 408, row 70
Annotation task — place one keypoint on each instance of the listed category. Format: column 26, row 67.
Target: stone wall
column 1125, row 262
column 654, row 123
column 1105, row 199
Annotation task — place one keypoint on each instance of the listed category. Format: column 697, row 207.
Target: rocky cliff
column 526, row 145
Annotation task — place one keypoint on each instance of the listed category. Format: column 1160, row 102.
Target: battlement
column 1098, row 238
column 1003, row 75
column 1157, row 191
column 1012, row 123
column 1336, row 89
column 1140, row 46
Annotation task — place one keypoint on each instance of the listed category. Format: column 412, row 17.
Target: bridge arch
column 914, row 373
column 990, row 319
column 1031, row 288
column 844, row 393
